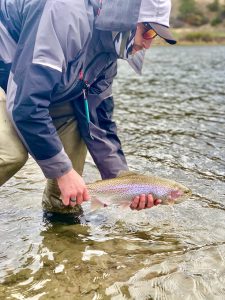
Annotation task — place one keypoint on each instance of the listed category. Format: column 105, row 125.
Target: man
column 58, row 60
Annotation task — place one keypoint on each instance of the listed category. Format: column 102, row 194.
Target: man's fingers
column 69, row 200
column 150, row 201
column 157, row 201
column 65, row 200
column 142, row 201
column 135, row 202
column 86, row 196
column 79, row 198
column 73, row 201
column 72, row 186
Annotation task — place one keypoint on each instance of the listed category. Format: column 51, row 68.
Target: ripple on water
column 198, row 274
column 171, row 123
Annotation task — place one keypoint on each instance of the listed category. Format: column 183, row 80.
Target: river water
column 172, row 123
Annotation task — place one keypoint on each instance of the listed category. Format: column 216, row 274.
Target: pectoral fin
column 125, row 204
column 96, row 203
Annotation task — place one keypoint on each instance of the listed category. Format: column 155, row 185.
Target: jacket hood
column 116, row 15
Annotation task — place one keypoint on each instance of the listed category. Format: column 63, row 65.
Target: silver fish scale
column 128, row 190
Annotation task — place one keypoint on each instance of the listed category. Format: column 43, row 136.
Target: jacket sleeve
column 47, row 45
column 102, row 140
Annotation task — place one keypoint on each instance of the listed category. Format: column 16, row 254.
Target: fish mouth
column 187, row 192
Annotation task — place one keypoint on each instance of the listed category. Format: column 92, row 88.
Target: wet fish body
column 122, row 189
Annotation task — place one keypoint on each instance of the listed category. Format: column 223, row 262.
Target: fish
column 121, row 190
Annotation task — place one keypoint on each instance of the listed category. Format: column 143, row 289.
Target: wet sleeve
column 28, row 107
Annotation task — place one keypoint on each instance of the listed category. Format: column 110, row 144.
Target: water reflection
column 154, row 254
column 192, row 276
column 171, row 123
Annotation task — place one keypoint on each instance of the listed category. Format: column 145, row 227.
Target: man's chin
column 136, row 48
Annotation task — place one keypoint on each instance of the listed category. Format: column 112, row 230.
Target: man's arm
column 46, row 46
column 102, row 140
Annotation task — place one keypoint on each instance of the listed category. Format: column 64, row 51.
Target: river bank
column 200, row 35
column 204, row 35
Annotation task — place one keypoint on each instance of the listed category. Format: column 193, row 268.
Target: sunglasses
column 149, row 33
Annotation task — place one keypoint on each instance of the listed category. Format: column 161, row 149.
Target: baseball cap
column 157, row 14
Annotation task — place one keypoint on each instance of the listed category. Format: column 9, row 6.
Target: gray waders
column 13, row 154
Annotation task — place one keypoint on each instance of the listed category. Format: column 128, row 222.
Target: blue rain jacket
column 45, row 45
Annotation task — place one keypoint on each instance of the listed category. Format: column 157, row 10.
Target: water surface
column 171, row 123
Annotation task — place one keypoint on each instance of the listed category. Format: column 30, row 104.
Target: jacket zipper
column 86, row 107
column 86, row 86
column 82, row 80
column 84, row 89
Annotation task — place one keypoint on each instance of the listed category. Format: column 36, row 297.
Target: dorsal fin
column 126, row 173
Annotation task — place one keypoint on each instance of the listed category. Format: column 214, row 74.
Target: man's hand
column 72, row 186
column 144, row 201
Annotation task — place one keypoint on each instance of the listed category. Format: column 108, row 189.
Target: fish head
column 177, row 195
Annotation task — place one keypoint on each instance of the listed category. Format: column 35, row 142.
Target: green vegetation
column 214, row 6
column 189, row 13
column 200, row 36
column 198, row 21
column 216, row 21
column 219, row 11
column 187, row 7
column 194, row 13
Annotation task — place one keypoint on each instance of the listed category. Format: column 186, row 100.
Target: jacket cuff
column 56, row 166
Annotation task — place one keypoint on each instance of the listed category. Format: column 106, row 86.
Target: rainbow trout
column 122, row 189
